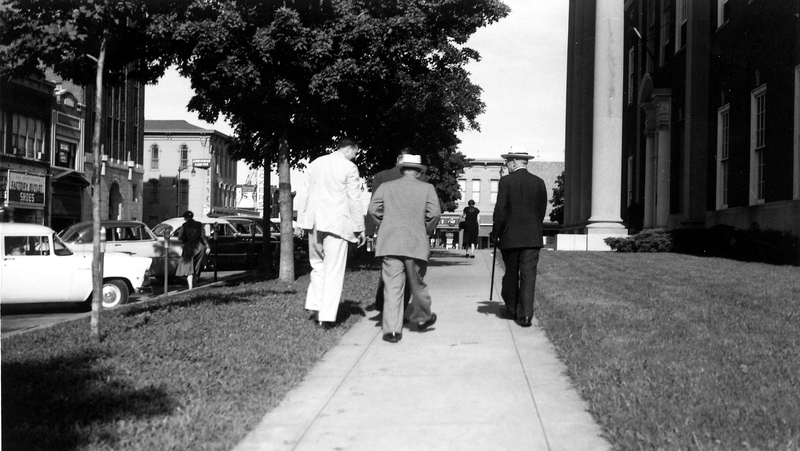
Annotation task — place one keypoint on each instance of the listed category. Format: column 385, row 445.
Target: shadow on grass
column 186, row 301
column 347, row 309
column 70, row 402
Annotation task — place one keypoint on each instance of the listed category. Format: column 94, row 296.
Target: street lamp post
column 178, row 190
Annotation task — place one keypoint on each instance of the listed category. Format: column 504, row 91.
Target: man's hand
column 494, row 238
column 362, row 238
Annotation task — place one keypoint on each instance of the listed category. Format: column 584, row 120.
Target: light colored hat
column 517, row 156
column 412, row 161
column 517, row 153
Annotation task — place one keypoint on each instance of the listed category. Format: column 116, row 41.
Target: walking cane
column 494, row 257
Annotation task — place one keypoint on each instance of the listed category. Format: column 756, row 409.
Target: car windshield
column 59, row 248
column 161, row 228
column 71, row 234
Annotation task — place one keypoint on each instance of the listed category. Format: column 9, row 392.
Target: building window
column 27, row 136
column 666, row 30
column 476, row 191
column 184, row 156
column 758, row 143
column 494, row 185
column 154, row 156
column 631, row 73
column 723, row 12
column 681, row 22
column 184, row 192
column 462, row 189
column 723, row 155
column 153, row 191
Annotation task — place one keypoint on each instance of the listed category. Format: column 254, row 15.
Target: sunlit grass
column 194, row 373
column 678, row 352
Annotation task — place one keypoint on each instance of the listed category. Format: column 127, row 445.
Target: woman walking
column 470, row 218
column 195, row 246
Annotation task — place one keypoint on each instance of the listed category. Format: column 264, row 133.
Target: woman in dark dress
column 195, row 246
column 470, row 218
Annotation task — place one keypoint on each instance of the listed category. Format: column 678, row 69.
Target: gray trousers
column 395, row 273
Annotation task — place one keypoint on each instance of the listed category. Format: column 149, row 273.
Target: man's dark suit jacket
column 519, row 210
column 387, row 175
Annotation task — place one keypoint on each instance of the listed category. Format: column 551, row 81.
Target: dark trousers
column 519, row 281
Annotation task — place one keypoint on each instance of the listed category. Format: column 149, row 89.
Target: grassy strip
column 678, row 352
column 195, row 372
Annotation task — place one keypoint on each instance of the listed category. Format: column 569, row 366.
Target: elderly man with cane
column 406, row 211
column 517, row 231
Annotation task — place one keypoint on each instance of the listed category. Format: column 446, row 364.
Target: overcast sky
column 522, row 73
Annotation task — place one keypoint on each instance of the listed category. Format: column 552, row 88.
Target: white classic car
column 38, row 267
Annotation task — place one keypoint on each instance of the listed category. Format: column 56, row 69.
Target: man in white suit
column 334, row 218
column 407, row 211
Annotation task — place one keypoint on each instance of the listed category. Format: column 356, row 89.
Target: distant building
column 682, row 114
column 46, row 142
column 187, row 168
column 479, row 182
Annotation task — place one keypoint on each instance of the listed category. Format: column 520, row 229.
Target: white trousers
column 327, row 254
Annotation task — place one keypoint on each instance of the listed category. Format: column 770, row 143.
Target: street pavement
column 473, row 381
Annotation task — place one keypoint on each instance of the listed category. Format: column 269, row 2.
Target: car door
column 133, row 239
column 32, row 272
column 230, row 250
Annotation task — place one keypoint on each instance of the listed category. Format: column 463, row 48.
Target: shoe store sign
column 23, row 189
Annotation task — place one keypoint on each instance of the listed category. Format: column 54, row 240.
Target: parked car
column 38, row 267
column 132, row 237
column 234, row 250
column 243, row 223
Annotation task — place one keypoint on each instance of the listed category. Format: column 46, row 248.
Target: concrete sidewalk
column 473, row 381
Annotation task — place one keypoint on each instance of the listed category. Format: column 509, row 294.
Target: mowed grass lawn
column 674, row 352
column 191, row 373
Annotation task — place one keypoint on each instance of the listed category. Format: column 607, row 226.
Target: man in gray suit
column 407, row 211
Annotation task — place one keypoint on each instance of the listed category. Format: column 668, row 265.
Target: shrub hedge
column 752, row 245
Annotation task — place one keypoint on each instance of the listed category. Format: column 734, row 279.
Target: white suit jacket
column 333, row 197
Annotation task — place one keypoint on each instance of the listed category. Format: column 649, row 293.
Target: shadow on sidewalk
column 491, row 308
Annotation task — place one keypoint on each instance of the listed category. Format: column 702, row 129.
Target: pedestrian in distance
column 333, row 217
column 517, row 232
column 470, row 219
column 195, row 249
column 387, row 175
column 406, row 211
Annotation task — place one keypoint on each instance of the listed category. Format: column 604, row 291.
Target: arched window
column 184, row 156
column 154, row 156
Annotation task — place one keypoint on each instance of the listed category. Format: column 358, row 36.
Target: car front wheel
column 115, row 292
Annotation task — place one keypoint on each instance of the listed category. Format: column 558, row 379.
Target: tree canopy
column 389, row 74
column 66, row 36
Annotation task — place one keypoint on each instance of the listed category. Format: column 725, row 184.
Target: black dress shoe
column 392, row 337
column 313, row 315
column 525, row 322
column 506, row 314
column 326, row 325
column 427, row 324
column 472, row 256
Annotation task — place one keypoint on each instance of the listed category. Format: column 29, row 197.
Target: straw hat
column 412, row 161
column 517, row 153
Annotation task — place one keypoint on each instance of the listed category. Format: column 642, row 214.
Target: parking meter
column 167, row 231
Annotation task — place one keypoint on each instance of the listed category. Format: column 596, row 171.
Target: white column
column 609, row 72
column 650, row 164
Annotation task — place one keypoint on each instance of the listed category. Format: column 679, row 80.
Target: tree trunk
column 265, row 262
column 287, row 231
column 97, row 184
